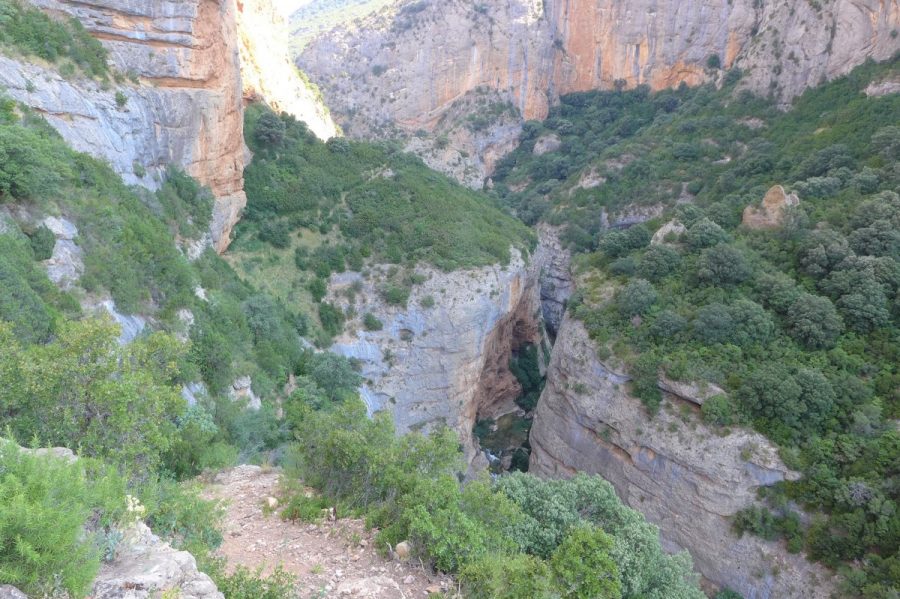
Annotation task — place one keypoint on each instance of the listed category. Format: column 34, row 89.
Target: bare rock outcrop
column 684, row 477
column 771, row 213
column 405, row 66
column 446, row 363
column 185, row 109
column 146, row 566
column 556, row 282
column 267, row 72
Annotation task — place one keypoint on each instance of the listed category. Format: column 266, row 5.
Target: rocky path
column 329, row 559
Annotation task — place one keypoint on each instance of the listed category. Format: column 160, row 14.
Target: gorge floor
column 329, row 559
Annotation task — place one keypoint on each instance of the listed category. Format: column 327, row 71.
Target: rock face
column 185, row 110
column 556, row 276
column 687, row 479
column 771, row 214
column 406, row 66
column 446, row 364
column 267, row 72
column 145, row 566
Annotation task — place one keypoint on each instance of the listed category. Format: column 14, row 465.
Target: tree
column 814, row 322
column 822, row 251
column 723, row 265
column 667, row 325
column 705, row 233
column 713, row 324
column 752, row 324
column 583, row 567
column 636, row 298
column 84, row 391
column 270, row 130
column 658, row 262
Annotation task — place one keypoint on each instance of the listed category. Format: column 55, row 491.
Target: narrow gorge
column 515, row 299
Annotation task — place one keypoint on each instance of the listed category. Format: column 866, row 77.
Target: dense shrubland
column 799, row 324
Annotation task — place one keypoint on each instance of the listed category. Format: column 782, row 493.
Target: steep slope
column 406, row 66
column 185, row 108
column 683, row 476
column 728, row 260
column 267, row 72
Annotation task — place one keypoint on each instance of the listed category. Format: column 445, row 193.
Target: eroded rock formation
column 267, row 72
column 406, row 66
column 683, row 476
column 445, row 364
column 185, row 110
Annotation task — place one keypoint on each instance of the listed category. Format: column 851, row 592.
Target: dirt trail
column 330, row 559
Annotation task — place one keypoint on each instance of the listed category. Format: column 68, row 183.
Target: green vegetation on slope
column 800, row 324
column 31, row 32
column 319, row 16
column 516, row 538
column 317, row 208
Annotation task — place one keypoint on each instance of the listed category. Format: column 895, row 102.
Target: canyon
column 428, row 67
column 444, row 362
column 407, row 67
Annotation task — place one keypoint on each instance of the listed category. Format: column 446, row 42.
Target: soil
column 333, row 558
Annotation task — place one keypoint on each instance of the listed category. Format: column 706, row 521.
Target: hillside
column 642, row 345
column 785, row 310
column 315, row 18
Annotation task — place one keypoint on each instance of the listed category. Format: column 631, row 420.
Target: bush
column 42, row 243
column 85, row 391
column 45, row 504
column 513, row 577
column 637, row 297
column 395, row 295
column 717, row 410
column 372, row 322
column 583, row 567
column 243, row 583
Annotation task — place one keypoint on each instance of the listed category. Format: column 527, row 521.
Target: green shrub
column 583, row 566
column 395, row 295
column 243, row 583
column 507, row 577
column 45, row 505
column 42, row 243
column 372, row 322
column 304, row 509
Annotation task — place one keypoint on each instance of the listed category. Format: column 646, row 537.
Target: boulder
column 7, row 591
column 145, row 566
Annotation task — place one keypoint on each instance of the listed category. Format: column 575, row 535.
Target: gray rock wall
column 684, row 477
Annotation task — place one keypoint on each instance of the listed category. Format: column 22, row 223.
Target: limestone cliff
column 267, row 72
column 184, row 110
column 683, row 476
column 446, row 363
column 406, row 66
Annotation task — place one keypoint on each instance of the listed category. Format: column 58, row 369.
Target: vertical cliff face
column 405, row 67
column 186, row 110
column 267, row 72
column 446, row 363
column 682, row 476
